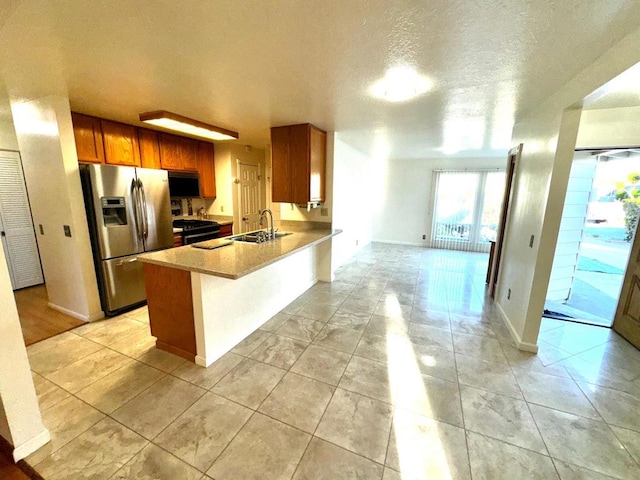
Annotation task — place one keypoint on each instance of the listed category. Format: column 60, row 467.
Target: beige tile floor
column 400, row 369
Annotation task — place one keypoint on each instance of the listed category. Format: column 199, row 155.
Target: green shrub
column 631, row 213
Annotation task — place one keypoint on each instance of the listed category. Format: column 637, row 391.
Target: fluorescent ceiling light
column 400, row 84
column 173, row 121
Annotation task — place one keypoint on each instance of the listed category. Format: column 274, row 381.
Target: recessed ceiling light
column 173, row 121
column 400, row 84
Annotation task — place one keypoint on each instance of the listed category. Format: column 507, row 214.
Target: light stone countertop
column 235, row 259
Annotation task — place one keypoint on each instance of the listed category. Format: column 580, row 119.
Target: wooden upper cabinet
column 170, row 152
column 298, row 157
column 280, row 165
column 207, row 170
column 178, row 153
column 189, row 153
column 149, row 148
column 317, row 164
column 88, row 135
column 120, row 144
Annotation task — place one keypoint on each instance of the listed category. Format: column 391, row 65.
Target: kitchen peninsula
column 202, row 302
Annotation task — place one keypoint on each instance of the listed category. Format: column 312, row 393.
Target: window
column 467, row 209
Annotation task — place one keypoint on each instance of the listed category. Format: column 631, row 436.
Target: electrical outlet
column 67, row 230
column 356, row 243
column 424, row 237
column 531, row 241
column 509, row 294
column 221, row 208
column 324, row 212
column 41, row 229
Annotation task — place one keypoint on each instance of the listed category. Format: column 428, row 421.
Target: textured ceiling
column 251, row 64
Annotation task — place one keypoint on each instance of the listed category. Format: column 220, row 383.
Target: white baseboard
column 395, row 242
column 31, row 445
column 524, row 346
column 87, row 318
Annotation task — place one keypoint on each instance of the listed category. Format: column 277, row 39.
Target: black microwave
column 184, row 184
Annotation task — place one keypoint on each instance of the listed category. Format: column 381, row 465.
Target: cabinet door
column 177, row 240
column 149, row 148
column 207, row 170
column 280, row 165
column 88, row 136
column 317, row 164
column 226, row 230
column 170, row 152
column 178, row 153
column 189, row 149
column 299, row 158
column 120, row 144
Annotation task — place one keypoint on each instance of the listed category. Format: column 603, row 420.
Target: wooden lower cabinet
column 171, row 321
column 177, row 240
column 226, row 230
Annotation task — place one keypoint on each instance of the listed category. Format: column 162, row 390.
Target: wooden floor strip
column 38, row 320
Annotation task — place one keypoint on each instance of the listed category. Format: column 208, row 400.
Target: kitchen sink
column 257, row 237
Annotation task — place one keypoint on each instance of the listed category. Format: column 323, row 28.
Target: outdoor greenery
column 631, row 213
column 629, row 195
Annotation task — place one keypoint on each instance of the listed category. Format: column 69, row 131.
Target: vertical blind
column 466, row 209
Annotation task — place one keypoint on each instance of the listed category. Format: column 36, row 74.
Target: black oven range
column 194, row 231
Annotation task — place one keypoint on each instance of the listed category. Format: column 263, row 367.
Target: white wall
column 549, row 137
column 353, row 191
column 47, row 146
column 8, row 140
column 20, row 420
column 612, row 127
column 403, row 203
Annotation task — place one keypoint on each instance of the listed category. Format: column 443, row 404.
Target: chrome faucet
column 270, row 231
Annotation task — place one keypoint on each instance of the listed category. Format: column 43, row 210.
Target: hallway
column 397, row 370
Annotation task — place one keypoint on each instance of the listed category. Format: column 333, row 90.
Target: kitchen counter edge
column 184, row 261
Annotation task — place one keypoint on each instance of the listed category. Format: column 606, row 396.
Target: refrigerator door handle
column 145, row 218
column 125, row 262
column 136, row 208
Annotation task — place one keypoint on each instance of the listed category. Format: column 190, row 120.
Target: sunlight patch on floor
column 420, row 455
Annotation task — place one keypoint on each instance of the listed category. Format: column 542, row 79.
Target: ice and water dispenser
column 114, row 211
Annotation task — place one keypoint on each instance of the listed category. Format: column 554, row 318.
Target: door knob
column 2, row 234
column 244, row 219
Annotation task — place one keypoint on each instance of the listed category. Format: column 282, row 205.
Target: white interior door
column 18, row 237
column 249, row 197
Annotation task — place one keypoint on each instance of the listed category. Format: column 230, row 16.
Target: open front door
column 627, row 319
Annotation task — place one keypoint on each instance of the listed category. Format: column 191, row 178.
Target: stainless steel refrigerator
column 129, row 213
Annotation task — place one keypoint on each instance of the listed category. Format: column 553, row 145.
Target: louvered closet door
column 18, row 239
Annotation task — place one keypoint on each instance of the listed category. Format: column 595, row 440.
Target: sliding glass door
column 466, row 209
